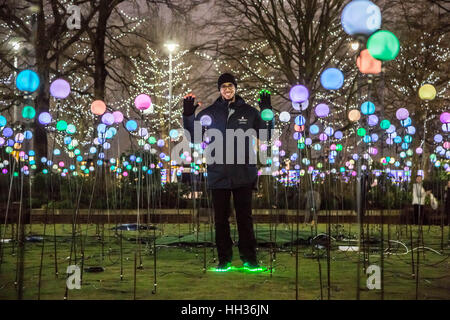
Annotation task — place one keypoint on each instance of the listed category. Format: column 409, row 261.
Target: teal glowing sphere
column 27, row 80
column 383, row 45
column 267, row 115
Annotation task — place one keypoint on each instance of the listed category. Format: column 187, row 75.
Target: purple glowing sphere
column 373, row 120
column 402, row 114
column 60, row 89
column 322, row 110
column 118, row 116
column 206, row 120
column 298, row 93
column 108, row 119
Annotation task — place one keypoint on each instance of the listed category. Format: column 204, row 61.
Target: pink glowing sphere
column 445, row 117
column 118, row 116
column 142, row 102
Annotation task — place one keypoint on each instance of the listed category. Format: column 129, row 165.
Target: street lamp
column 171, row 47
column 16, row 47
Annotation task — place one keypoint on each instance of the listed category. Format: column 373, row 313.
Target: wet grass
column 180, row 272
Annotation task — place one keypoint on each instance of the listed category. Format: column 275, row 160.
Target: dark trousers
column 418, row 214
column 242, row 198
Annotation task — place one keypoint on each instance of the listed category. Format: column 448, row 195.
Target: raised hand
column 188, row 105
column 264, row 100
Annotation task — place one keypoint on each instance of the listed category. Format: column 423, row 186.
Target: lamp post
column 171, row 47
column 16, row 47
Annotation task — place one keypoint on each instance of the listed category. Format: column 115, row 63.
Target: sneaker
column 223, row 267
column 254, row 267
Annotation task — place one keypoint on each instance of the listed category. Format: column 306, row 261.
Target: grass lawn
column 180, row 270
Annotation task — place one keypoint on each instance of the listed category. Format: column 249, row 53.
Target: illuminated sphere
column 267, row 115
column 322, row 110
column 108, row 118
column 98, row 107
column 28, row 112
column 60, row 89
column 372, row 120
column 385, row 124
column 300, row 120
column 445, row 117
column 27, row 80
column 2, row 121
column 143, row 102
column 205, row 120
column 438, row 138
column 61, row 125
column 118, row 116
column 406, row 123
column 332, row 79
column 160, row 143
column 314, row 129
column 285, row 116
column 329, row 131
column 361, row 18
column 298, row 94
column 71, row 129
column 174, row 133
column 427, row 92
column 45, row 118
column 131, row 125
column 402, row 114
column 338, row 135
column 383, row 45
column 354, row 115
column 367, row 108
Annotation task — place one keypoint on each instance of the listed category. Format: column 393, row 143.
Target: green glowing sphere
column 61, row 125
column 361, row 132
column 28, row 112
column 267, row 115
column 383, row 45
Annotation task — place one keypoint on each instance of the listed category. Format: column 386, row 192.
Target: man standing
column 419, row 195
column 225, row 177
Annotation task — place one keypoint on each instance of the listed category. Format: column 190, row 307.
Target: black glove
column 264, row 100
column 188, row 105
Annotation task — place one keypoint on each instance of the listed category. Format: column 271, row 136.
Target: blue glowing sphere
column 300, row 120
column 332, row 79
column 101, row 128
column 361, row 18
column 2, row 121
column 407, row 122
column 45, row 118
column 7, row 132
column 314, row 129
column 27, row 80
column 131, row 125
column 338, row 134
column 368, row 108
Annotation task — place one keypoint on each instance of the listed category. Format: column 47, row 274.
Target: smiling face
column 227, row 90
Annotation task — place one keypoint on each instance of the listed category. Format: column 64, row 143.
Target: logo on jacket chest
column 242, row 120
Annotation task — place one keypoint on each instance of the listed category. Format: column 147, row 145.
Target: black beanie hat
column 226, row 77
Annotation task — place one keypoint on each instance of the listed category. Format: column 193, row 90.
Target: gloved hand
column 264, row 100
column 188, row 105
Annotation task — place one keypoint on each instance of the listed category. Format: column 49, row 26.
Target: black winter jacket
column 243, row 116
